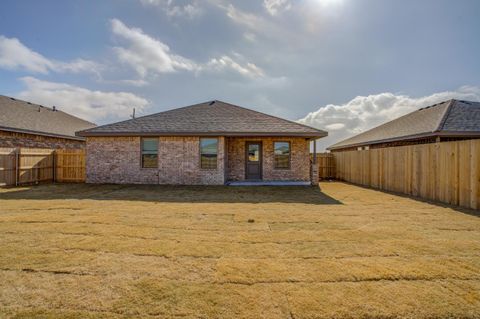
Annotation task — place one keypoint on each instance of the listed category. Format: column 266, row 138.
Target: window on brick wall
column 282, row 155
column 208, row 153
column 149, row 152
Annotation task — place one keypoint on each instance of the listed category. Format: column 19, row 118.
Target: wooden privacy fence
column 326, row 165
column 30, row 166
column 448, row 172
column 70, row 166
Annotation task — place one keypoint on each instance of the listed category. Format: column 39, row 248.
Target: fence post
column 16, row 165
column 54, row 166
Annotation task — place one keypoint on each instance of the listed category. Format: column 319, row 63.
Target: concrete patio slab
column 268, row 183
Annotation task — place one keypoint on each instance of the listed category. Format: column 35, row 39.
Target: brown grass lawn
column 104, row 251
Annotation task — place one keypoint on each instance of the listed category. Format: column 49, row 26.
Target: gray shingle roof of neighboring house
column 206, row 119
column 25, row 117
column 450, row 118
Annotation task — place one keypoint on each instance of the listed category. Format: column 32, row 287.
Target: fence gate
column 70, row 166
column 8, row 171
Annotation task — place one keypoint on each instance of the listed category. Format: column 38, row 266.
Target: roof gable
column 449, row 116
column 208, row 118
column 26, row 117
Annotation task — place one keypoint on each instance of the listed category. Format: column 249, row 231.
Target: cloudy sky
column 340, row 65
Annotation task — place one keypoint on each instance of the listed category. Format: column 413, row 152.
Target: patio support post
column 314, row 166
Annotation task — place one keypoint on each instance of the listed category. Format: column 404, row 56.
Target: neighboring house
column 24, row 124
column 447, row 121
column 207, row 143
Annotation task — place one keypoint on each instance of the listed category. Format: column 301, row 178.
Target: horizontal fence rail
column 447, row 172
column 20, row 166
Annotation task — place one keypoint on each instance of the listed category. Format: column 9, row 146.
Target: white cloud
column 15, row 55
column 274, row 7
column 226, row 62
column 250, row 36
column 250, row 20
column 254, row 22
column 365, row 112
column 175, row 9
column 137, row 83
column 146, row 54
column 257, row 24
column 84, row 103
column 149, row 56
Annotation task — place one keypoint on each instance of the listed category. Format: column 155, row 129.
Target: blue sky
column 340, row 65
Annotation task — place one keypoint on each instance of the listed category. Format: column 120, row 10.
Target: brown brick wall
column 299, row 161
column 13, row 139
column 117, row 160
column 179, row 162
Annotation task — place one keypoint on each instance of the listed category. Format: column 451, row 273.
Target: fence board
column 448, row 172
column 31, row 166
column 7, row 166
column 326, row 165
column 70, row 166
column 35, row 165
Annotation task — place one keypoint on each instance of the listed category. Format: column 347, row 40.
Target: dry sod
column 104, row 251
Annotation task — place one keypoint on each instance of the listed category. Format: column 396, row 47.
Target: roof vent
column 12, row 99
column 54, row 108
column 29, row 103
column 211, row 103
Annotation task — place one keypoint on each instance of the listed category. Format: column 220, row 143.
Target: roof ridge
column 272, row 116
column 445, row 115
column 24, row 101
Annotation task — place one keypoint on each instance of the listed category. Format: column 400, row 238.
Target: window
column 149, row 152
column 282, row 155
column 253, row 152
column 208, row 153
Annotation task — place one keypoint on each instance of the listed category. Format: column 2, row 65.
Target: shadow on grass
column 460, row 209
column 173, row 194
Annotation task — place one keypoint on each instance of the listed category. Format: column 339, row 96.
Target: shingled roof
column 206, row 119
column 25, row 117
column 451, row 118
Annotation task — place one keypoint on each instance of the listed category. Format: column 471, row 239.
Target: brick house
column 211, row 143
column 24, row 124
